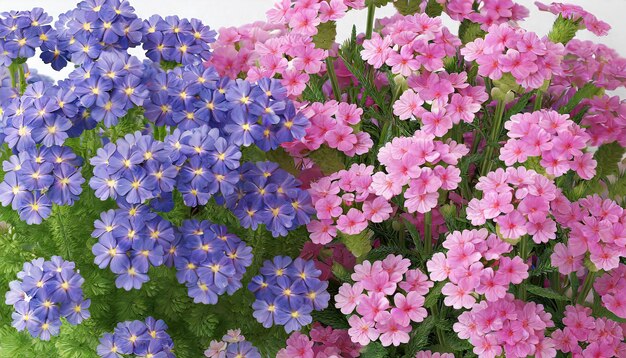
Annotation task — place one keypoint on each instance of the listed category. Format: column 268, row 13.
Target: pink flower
column 416, row 281
column 348, row 297
column 333, row 10
column 377, row 210
column 328, row 207
column 457, row 296
column 493, row 286
column 408, row 308
column 298, row 346
column 294, row 81
column 486, row 346
column 564, row 260
column 376, row 50
column 408, row 105
column 512, row 225
column 396, row 266
column 420, row 202
column 463, row 256
column 373, row 306
column 322, row 231
column 512, row 270
column 437, row 122
column 384, row 186
column 462, row 108
column 362, row 331
column 379, row 282
column 352, row 223
column 304, row 22
column 403, row 63
column 393, row 333
column 341, row 138
column 438, row 267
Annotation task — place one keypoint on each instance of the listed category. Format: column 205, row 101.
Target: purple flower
column 34, row 208
column 67, row 185
column 77, row 312
column 108, row 347
column 131, row 336
column 264, row 312
column 137, row 186
column 11, row 191
column 131, row 277
column 293, row 313
column 108, row 251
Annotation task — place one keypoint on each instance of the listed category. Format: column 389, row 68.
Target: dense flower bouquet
column 264, row 191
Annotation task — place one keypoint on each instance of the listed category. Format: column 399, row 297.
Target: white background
column 221, row 13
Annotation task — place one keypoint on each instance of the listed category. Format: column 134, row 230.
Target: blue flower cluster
column 46, row 292
column 287, row 291
column 36, row 179
column 232, row 345
column 92, row 28
column 267, row 194
column 130, row 240
column 177, row 40
column 23, row 32
column 142, row 339
column 210, row 261
column 245, row 113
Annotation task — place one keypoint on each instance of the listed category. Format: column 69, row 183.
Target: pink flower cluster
column 585, row 336
column 605, row 119
column 344, row 203
column 429, row 354
column 485, row 12
column 324, row 342
column 576, row 14
column 217, row 349
column 596, row 226
column 475, row 266
column 612, row 288
column 552, row 136
column 451, row 100
column 507, row 50
column 419, row 41
column 424, row 164
column 332, row 124
column 510, row 326
column 378, row 316
column 518, row 200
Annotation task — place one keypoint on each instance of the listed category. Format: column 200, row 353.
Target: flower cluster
column 344, row 203
column 552, row 136
column 429, row 354
column 332, row 124
column 377, row 317
column 451, row 100
column 610, row 287
column 172, row 39
column 475, row 265
column 130, row 240
column 23, row 32
column 485, row 12
column 92, row 28
column 424, row 164
column 46, row 292
column 145, row 339
column 210, row 261
column 287, row 291
column 507, row 50
column 586, row 336
column 518, row 200
column 268, row 195
column 323, row 342
column 422, row 41
column 578, row 15
column 232, row 345
column 507, row 326
column 36, row 179
column 596, row 226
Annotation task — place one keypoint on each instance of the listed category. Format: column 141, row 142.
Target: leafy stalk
column 496, row 128
column 587, row 285
column 371, row 10
column 330, row 67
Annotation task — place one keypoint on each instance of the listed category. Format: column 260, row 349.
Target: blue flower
column 293, row 314
column 34, row 208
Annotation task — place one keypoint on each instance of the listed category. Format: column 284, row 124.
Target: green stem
column 587, row 285
column 428, row 235
column 22, row 80
column 330, row 68
column 523, row 253
column 492, row 141
column 441, row 337
column 14, row 75
column 371, row 9
column 538, row 100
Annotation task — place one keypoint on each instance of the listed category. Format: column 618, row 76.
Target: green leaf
column 419, row 337
column 617, row 189
column 563, row 30
column 589, row 90
column 331, row 317
column 341, row 273
column 433, row 8
column 407, row 7
column 329, row 160
column 283, row 159
column 358, row 244
column 470, row 31
column 377, row 3
column 326, row 33
column 374, row 350
column 608, row 156
column 432, row 298
column 545, row 293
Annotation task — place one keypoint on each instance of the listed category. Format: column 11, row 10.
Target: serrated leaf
column 359, row 244
column 374, row 350
column 545, row 293
column 608, row 156
column 617, row 189
column 419, row 337
column 433, row 295
column 407, row 7
column 326, row 34
column 434, row 8
column 470, row 31
column 329, row 160
column 341, row 273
